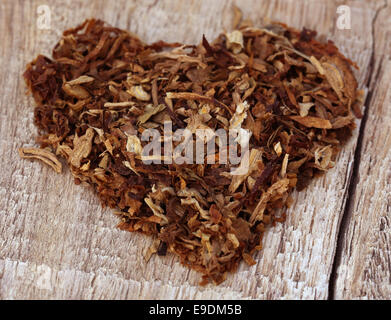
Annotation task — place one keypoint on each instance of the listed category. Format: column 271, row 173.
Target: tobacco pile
column 103, row 87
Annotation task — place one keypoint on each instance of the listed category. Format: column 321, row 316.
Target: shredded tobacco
column 41, row 154
column 103, row 87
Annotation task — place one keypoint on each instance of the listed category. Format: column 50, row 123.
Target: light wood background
column 56, row 242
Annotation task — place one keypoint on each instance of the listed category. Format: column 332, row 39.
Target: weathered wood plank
column 364, row 271
column 57, row 242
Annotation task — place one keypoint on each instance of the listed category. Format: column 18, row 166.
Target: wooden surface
column 56, row 242
column 364, row 268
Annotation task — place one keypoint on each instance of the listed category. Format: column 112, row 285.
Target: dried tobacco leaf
column 312, row 122
column 81, row 147
column 104, row 88
column 41, row 154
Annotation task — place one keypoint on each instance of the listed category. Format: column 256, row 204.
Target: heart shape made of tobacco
column 104, row 87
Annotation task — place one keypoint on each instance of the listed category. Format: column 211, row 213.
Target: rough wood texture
column 365, row 259
column 57, row 242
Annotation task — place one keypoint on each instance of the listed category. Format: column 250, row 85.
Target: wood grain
column 56, row 242
column 365, row 262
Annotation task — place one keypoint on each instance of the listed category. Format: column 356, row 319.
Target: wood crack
column 353, row 177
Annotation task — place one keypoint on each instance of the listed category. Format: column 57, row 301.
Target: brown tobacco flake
column 104, row 87
column 76, row 91
column 150, row 111
column 139, row 93
column 312, row 122
column 41, row 154
column 80, row 80
column 119, row 105
column 82, row 147
column 235, row 41
column 248, row 259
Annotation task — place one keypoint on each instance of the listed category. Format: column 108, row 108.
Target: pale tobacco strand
column 41, row 154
